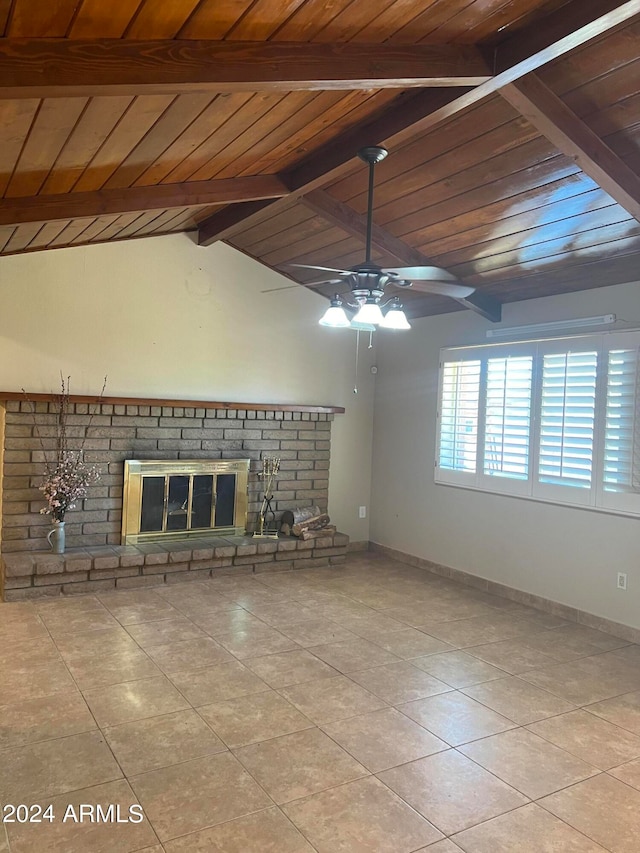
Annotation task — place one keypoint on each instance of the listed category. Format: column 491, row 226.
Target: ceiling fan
column 367, row 280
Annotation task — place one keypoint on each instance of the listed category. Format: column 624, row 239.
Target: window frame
column 596, row 497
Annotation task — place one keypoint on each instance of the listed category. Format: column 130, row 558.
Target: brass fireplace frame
column 134, row 472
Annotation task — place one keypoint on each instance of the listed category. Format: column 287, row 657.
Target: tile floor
column 370, row 707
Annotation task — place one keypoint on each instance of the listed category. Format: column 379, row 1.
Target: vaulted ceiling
column 513, row 128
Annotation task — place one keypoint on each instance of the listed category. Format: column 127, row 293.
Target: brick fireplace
column 117, row 430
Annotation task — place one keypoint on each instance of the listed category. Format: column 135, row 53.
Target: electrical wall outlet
column 363, row 512
column 622, row 580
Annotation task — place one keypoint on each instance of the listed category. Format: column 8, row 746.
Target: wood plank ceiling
column 513, row 128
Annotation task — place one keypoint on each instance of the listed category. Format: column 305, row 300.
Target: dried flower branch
column 67, row 477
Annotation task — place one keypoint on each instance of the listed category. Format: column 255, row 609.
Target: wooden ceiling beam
column 319, row 169
column 352, row 222
column 566, row 28
column 574, row 25
column 53, row 68
column 561, row 126
column 15, row 211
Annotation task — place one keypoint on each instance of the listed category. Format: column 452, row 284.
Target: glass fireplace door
column 186, row 501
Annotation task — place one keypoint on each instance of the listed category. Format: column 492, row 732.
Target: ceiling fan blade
column 276, row 289
column 309, row 284
column 323, row 281
column 441, row 288
column 424, row 273
column 324, row 269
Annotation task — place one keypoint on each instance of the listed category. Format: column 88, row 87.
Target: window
column 555, row 420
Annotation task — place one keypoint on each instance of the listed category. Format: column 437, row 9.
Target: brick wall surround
column 302, row 439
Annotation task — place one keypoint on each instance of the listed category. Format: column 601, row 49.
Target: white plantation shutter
column 555, row 420
column 620, row 473
column 459, row 400
column 508, row 417
column 567, row 418
column 621, row 441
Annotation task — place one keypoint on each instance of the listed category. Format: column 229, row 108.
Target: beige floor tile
column 528, row 763
column 352, row 655
column 417, row 614
column 100, row 671
column 374, row 627
column 399, row 682
column 132, row 607
column 360, row 816
column 97, row 837
column 17, row 626
column 588, row 737
column 587, row 680
column 189, row 654
column 28, row 773
column 331, row 699
column 196, row 794
column 529, row 829
column 287, row 668
column 538, row 617
column 134, row 700
column 257, row 594
column 299, row 764
column 67, row 605
column 28, row 654
column 384, row 739
column 628, row 773
column 250, row 719
column 623, row 711
column 96, row 643
column 519, row 701
column 456, row 718
column 574, row 641
column 50, row 717
column 283, row 613
column 458, row 669
column 256, row 641
column 628, row 654
column 446, row 846
column 147, row 634
column 346, row 608
column 34, row 683
column 217, row 683
column 156, row 742
column 316, row 632
column 268, row 831
column 604, row 809
column 59, row 624
column 451, row 791
column 411, row 643
column 512, row 656
column 480, row 629
column 229, row 622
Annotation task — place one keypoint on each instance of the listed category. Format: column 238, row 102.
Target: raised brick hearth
column 129, row 566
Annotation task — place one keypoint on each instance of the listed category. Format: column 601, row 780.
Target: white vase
column 55, row 537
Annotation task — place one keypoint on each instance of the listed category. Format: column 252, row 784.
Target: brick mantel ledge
column 106, row 568
column 190, row 404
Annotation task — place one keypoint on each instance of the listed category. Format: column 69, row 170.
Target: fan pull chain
column 355, row 384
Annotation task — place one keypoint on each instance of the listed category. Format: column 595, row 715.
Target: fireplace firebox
column 179, row 499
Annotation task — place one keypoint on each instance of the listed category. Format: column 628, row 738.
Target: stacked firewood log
column 307, row 523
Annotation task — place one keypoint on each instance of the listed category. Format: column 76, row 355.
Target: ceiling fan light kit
column 368, row 280
column 335, row 316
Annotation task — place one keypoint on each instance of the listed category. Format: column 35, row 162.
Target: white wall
column 569, row 555
column 163, row 317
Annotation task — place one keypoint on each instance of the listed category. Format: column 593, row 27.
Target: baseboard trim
column 571, row 614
